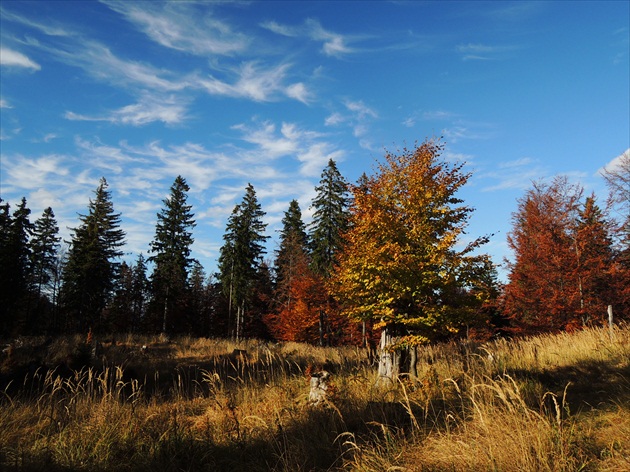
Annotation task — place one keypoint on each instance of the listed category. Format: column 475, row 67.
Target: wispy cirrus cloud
column 11, row 58
column 516, row 174
column 309, row 148
column 183, row 26
column 150, row 108
column 255, row 81
column 483, row 52
column 50, row 28
column 468, row 130
column 333, row 44
column 358, row 116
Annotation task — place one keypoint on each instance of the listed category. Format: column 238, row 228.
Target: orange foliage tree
column 402, row 265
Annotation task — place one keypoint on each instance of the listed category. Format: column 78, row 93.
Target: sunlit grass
column 549, row 403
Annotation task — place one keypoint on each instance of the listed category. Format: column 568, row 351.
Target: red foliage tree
column 561, row 276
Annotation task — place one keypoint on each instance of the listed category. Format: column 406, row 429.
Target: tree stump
column 319, row 387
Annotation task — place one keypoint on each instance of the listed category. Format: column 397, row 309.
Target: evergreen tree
column 171, row 247
column 293, row 244
column 44, row 263
column 241, row 257
column 89, row 276
column 200, row 301
column 15, row 256
column 121, row 307
column 140, row 293
column 330, row 219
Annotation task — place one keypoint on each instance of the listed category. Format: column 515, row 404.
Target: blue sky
column 227, row 93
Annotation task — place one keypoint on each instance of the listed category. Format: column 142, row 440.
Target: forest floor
column 138, row 403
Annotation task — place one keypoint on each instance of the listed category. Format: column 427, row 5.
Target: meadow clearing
column 548, row 403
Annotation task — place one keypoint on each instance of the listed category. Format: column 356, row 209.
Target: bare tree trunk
column 389, row 359
column 610, row 322
column 413, row 362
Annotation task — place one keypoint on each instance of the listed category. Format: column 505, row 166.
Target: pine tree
column 330, row 219
column 15, row 256
column 293, row 243
column 241, row 256
column 140, row 293
column 89, row 276
column 44, row 263
column 171, row 248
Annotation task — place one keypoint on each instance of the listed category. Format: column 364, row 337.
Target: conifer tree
column 44, row 263
column 15, row 258
column 171, row 248
column 293, row 243
column 90, row 274
column 140, row 293
column 330, row 219
column 241, row 256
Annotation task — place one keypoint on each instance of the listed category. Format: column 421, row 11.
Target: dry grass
column 551, row 403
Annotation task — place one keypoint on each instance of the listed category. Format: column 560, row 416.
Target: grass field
column 550, row 403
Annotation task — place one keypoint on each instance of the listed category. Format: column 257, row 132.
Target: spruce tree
column 15, row 256
column 241, row 256
column 140, row 293
column 44, row 263
column 293, row 240
column 89, row 276
column 171, row 248
column 330, row 219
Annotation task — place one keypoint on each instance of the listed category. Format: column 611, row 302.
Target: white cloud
column 616, row 163
column 333, row 44
column 169, row 110
column 360, row 109
column 11, row 58
column 33, row 173
column 516, row 174
column 299, row 92
column 4, row 103
column 182, row 26
column 253, row 82
column 50, row 28
column 483, row 52
column 334, row 119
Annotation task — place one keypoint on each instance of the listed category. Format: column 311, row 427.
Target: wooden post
column 610, row 321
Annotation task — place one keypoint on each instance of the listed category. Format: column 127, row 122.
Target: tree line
column 383, row 256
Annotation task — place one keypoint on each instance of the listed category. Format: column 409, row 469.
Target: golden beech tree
column 403, row 265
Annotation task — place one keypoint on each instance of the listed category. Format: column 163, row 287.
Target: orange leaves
column 400, row 250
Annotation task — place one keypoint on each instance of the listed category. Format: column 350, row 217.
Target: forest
column 381, row 258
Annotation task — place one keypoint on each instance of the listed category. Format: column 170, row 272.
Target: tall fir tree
column 140, row 293
column 331, row 217
column 44, row 263
column 171, row 249
column 15, row 258
column 240, row 258
column 91, row 271
column 293, row 242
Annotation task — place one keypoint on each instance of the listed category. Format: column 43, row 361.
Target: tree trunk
column 389, row 360
column 413, row 362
